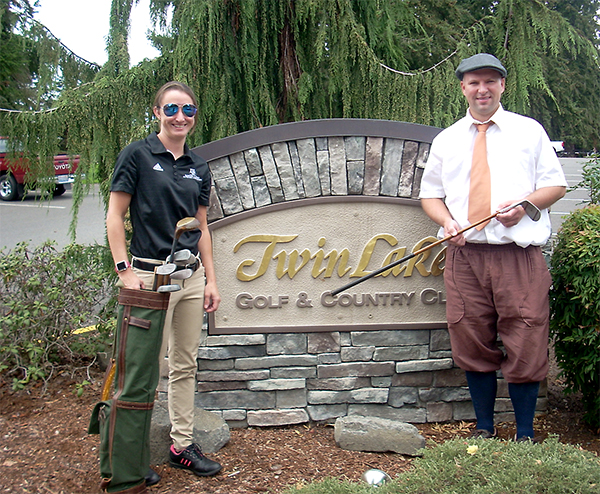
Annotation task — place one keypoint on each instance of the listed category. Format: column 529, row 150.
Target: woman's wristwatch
column 122, row 266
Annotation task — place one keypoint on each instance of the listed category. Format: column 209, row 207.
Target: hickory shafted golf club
column 183, row 225
column 181, row 257
column 162, row 279
column 165, row 272
column 531, row 210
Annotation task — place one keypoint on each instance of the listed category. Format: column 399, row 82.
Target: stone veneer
column 280, row 379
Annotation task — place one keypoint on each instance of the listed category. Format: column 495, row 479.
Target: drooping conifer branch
column 257, row 63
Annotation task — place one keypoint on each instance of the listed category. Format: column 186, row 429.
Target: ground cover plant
column 464, row 466
column 46, row 295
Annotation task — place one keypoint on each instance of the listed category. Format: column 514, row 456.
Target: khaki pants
column 181, row 339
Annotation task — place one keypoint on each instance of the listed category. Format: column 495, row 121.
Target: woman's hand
column 131, row 280
column 212, row 299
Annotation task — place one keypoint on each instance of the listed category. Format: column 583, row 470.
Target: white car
column 559, row 146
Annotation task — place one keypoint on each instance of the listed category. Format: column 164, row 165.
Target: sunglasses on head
column 172, row 109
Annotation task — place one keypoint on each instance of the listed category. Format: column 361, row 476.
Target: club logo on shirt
column 158, row 168
column 193, row 175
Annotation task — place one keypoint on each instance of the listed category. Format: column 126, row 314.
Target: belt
column 151, row 266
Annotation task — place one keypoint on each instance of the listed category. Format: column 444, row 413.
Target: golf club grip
column 410, row 256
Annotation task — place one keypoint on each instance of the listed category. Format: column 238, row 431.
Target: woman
column 160, row 181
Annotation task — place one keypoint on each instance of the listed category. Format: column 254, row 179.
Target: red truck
column 13, row 178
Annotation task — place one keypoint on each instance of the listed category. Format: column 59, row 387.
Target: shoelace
column 195, row 449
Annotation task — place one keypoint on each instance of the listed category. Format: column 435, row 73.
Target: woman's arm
column 212, row 299
column 118, row 204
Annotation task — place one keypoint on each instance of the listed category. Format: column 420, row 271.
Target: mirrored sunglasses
column 172, row 109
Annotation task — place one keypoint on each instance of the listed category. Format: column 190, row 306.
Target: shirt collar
column 497, row 117
column 157, row 147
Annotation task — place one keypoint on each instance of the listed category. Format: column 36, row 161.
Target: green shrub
column 575, row 306
column 463, row 466
column 45, row 296
column 590, row 178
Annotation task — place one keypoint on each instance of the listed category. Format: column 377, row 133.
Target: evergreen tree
column 255, row 63
column 17, row 59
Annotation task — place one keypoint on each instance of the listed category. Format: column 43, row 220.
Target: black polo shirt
column 163, row 191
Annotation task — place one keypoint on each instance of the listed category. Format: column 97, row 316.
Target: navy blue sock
column 483, row 387
column 524, row 399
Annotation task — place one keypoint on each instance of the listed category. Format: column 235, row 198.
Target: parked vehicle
column 14, row 173
column 559, row 146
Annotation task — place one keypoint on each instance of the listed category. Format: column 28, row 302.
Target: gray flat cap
column 477, row 62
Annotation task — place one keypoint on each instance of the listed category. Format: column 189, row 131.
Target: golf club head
column 162, row 274
column 168, row 288
column 531, row 209
column 182, row 257
column 182, row 274
column 186, row 224
column 165, row 269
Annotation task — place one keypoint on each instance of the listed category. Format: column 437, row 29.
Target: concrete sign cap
column 477, row 62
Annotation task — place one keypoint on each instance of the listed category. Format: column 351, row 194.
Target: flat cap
column 477, row 62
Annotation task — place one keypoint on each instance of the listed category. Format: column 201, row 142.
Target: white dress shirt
column 521, row 160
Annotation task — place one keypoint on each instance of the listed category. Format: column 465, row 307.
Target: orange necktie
column 480, row 188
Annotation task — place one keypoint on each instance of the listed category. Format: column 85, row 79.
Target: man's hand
column 512, row 216
column 451, row 228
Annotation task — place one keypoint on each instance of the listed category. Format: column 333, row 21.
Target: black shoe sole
column 203, row 474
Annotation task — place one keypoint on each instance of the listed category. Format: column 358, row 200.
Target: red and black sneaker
column 192, row 459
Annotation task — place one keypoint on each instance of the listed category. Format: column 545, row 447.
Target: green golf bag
column 123, row 421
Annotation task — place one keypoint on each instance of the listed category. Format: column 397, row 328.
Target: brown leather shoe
column 524, row 439
column 483, row 434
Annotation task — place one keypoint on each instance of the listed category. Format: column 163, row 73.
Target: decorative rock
column 378, row 435
column 269, row 418
column 211, row 432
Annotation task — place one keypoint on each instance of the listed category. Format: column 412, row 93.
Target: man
column 496, row 278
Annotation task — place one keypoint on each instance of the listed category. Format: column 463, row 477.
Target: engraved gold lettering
column 272, row 241
column 417, row 261
column 291, row 270
column 436, row 270
column 367, row 252
column 393, row 257
column 292, row 262
column 334, row 257
column 318, row 257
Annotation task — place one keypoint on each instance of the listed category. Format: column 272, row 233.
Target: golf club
column 182, row 258
column 531, row 210
column 182, row 274
column 168, row 288
column 162, row 275
column 183, row 225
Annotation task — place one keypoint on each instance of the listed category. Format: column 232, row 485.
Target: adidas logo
column 158, row 168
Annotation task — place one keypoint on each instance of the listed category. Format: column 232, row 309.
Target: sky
column 82, row 25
